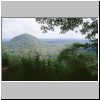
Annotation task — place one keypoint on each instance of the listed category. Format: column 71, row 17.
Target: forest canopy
column 27, row 58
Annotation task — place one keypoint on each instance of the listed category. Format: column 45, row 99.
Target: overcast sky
column 12, row 27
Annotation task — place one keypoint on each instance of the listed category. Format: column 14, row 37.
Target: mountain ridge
column 24, row 41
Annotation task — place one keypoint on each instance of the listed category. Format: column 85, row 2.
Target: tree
column 89, row 27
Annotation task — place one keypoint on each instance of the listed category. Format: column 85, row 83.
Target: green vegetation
column 69, row 65
column 89, row 27
column 26, row 43
column 25, row 58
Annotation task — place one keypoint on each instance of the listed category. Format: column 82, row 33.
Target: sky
column 12, row 27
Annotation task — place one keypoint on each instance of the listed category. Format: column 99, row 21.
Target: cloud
column 12, row 27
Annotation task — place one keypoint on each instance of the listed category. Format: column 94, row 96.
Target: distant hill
column 23, row 42
column 26, row 43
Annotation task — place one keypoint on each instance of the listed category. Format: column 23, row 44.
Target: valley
column 27, row 58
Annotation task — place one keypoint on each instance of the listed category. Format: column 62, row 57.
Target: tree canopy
column 89, row 26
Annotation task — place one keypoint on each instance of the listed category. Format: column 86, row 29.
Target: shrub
column 70, row 65
column 81, row 64
column 5, row 59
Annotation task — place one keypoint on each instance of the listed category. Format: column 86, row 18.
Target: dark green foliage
column 74, row 63
column 82, row 64
column 89, row 27
column 65, row 24
column 70, row 65
column 5, row 58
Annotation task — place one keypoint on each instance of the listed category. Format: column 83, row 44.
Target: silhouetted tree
column 89, row 27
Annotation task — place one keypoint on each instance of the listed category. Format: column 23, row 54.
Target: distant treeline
column 64, row 41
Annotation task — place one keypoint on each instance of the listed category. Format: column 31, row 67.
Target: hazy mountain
column 5, row 40
column 23, row 42
column 26, row 43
